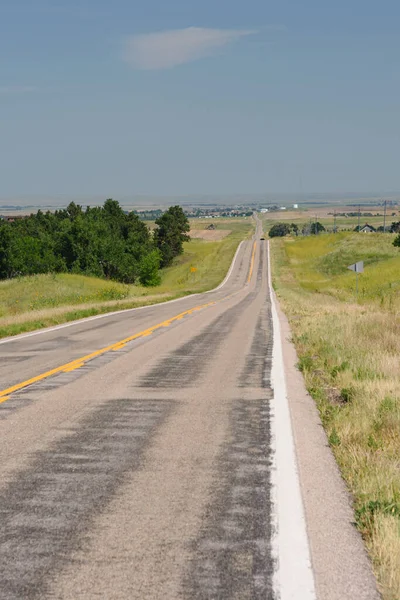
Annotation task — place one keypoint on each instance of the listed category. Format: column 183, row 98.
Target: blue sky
column 175, row 97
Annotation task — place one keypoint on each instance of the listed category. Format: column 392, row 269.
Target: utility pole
column 334, row 221
column 316, row 230
column 359, row 215
column 384, row 218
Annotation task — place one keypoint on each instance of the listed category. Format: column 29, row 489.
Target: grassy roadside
column 349, row 353
column 30, row 303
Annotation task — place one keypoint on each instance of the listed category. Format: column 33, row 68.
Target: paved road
column 144, row 471
column 145, row 456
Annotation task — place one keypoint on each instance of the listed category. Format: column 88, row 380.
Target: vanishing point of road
column 142, row 454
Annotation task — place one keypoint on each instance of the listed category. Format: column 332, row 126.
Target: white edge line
column 229, row 273
column 118, row 312
column 293, row 575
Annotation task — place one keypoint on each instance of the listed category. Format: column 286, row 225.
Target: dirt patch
column 334, row 396
column 211, row 235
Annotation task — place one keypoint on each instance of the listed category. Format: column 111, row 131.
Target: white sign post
column 358, row 267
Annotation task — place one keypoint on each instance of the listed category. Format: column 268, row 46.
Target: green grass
column 29, row 303
column 320, row 265
column 210, row 259
column 37, row 292
column 349, row 354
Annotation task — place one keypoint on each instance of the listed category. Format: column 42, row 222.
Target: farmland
column 346, row 217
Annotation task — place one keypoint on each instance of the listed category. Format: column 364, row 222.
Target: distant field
column 210, row 235
column 302, row 217
column 29, row 303
column 350, row 357
column 235, row 224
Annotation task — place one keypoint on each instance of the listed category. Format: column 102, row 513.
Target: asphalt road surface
column 135, row 455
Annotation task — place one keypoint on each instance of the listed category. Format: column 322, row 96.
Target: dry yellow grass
column 387, row 550
column 59, row 311
column 350, row 357
column 210, row 235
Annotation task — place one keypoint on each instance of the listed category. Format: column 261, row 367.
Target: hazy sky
column 171, row 97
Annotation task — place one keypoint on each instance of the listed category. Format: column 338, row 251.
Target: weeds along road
column 137, row 459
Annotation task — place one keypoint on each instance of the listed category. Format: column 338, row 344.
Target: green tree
column 396, row 241
column 102, row 241
column 395, row 227
column 5, row 251
column 317, row 227
column 74, row 210
column 171, row 232
column 279, row 230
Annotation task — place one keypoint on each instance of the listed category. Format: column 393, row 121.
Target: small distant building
column 283, row 207
column 295, row 206
column 264, row 210
column 366, row 229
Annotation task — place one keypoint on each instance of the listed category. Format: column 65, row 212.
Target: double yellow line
column 80, row 362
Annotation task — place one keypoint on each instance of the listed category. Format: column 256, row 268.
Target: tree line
column 315, row 227
column 282, row 229
column 101, row 241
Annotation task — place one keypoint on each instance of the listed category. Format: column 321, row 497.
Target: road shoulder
column 342, row 569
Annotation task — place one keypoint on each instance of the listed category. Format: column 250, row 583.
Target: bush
column 395, row 227
column 279, row 230
column 149, row 269
column 317, row 228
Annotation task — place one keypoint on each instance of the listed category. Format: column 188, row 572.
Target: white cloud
column 167, row 49
column 17, row 89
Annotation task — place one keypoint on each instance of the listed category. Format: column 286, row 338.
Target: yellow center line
column 80, row 362
column 77, row 363
column 252, row 263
